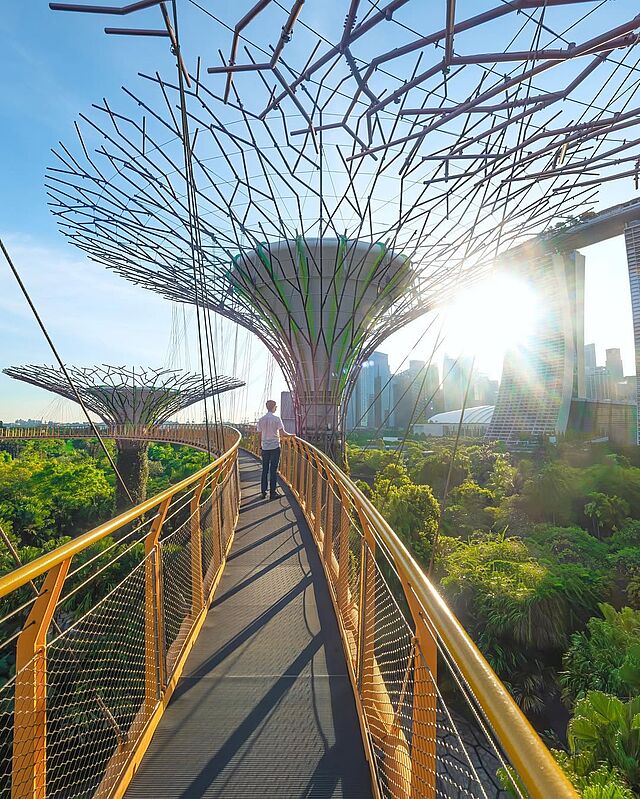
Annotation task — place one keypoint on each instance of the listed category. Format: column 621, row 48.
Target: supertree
column 327, row 210
column 123, row 396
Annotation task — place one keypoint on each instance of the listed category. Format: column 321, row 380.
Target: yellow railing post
column 29, row 775
column 197, row 584
column 308, row 486
column 343, row 554
column 300, row 474
column 317, row 510
column 366, row 612
column 284, row 460
column 424, row 728
column 425, row 701
column 216, row 509
column 154, row 615
column 236, row 469
column 297, row 461
column 327, row 542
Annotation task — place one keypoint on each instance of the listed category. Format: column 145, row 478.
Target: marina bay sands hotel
column 542, row 392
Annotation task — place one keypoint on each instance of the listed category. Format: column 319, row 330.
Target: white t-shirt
column 269, row 426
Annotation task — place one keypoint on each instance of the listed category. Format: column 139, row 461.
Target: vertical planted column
column 133, row 465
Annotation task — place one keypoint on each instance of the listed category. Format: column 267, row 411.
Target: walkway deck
column 264, row 707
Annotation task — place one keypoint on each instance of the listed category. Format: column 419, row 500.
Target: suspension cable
column 445, row 493
column 77, row 394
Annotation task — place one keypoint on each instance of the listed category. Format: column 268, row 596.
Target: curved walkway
column 264, row 707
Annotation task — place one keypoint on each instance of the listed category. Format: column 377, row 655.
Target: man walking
column 270, row 428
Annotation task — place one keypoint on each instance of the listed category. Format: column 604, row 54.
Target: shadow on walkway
column 265, row 706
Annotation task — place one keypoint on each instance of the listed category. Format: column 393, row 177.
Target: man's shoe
column 264, row 495
column 275, row 495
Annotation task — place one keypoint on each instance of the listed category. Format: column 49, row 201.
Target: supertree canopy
column 127, row 396
column 326, row 191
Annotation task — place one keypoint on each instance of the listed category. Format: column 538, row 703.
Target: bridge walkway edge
column 264, row 706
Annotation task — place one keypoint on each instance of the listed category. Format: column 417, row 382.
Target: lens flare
column 491, row 317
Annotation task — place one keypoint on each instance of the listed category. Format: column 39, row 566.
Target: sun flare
column 491, row 317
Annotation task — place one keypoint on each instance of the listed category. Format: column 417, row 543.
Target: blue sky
column 56, row 65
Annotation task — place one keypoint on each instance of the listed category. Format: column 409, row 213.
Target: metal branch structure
column 346, row 183
column 123, row 396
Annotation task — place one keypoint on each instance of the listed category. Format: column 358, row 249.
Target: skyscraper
column 589, row 358
column 590, row 366
column 455, row 378
column 370, row 403
column 614, row 365
column 540, row 379
column 415, row 395
column 632, row 241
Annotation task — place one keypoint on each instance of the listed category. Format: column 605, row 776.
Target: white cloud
column 94, row 316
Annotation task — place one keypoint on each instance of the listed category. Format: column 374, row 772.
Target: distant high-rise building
column 370, row 402
column 416, row 395
column 455, row 378
column 483, row 391
column 539, row 380
column 589, row 368
column 632, row 242
column 599, row 384
column 614, row 364
column 625, row 390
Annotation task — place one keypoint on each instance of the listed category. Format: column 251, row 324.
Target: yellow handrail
column 527, row 754
column 394, row 667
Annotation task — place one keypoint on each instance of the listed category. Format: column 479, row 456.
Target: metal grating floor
column 264, row 707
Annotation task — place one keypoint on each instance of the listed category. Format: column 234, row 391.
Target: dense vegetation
column 53, row 489
column 539, row 556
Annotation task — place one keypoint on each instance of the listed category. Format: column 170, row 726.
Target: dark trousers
column 270, row 461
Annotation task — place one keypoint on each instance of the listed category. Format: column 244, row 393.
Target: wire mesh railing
column 437, row 722
column 96, row 634
column 194, row 435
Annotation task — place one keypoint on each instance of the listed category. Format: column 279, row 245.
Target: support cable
column 76, row 393
column 443, row 504
column 192, row 211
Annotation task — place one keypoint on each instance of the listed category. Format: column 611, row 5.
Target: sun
column 490, row 318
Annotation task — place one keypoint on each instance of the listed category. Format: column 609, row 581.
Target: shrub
column 605, row 657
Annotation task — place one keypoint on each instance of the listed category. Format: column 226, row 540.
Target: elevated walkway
column 249, row 649
column 264, row 706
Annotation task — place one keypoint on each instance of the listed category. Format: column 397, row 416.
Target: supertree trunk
column 133, row 464
column 319, row 421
